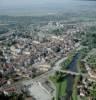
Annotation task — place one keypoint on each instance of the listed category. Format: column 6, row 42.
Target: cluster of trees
column 66, row 62
column 59, row 76
column 89, row 40
column 13, row 96
column 93, row 92
column 92, row 61
column 58, row 31
column 84, row 52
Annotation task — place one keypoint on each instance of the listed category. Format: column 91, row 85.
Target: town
column 37, row 59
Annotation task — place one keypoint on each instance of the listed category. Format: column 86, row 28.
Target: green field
column 60, row 87
column 74, row 93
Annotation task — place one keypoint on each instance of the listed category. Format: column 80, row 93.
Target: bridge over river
column 73, row 73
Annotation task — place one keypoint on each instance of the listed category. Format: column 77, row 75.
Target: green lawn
column 74, row 93
column 60, row 87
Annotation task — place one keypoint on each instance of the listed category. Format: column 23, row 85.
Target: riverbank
column 64, row 65
column 65, row 87
column 60, row 86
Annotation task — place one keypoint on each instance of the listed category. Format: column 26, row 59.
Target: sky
column 6, row 4
column 26, row 7
column 26, row 3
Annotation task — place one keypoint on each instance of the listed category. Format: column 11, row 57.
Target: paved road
column 47, row 74
column 38, row 78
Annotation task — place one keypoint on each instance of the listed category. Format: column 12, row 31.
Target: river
column 70, row 79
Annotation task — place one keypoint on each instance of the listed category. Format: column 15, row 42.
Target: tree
column 1, row 53
column 21, row 97
column 13, row 96
column 53, row 98
column 93, row 92
column 57, row 73
column 59, row 76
